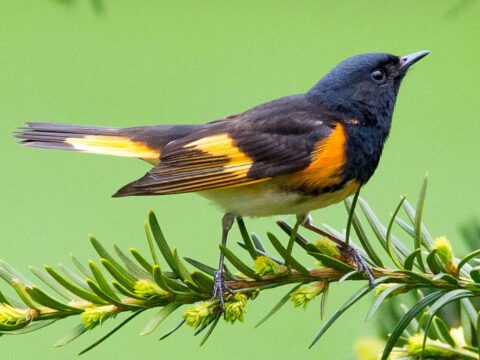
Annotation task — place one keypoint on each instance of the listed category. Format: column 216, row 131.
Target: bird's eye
column 378, row 76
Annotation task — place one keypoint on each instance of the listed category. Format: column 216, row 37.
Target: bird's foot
column 220, row 288
column 348, row 251
column 352, row 254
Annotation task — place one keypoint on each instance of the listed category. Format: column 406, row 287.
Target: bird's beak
column 410, row 59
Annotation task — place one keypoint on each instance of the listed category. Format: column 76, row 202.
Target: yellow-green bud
column 199, row 314
column 415, row 343
column 146, row 289
column 303, row 295
column 235, row 308
column 458, row 336
column 369, row 348
column 327, row 247
column 97, row 315
column 433, row 348
column 397, row 354
column 444, row 249
column 382, row 287
column 263, row 266
column 11, row 316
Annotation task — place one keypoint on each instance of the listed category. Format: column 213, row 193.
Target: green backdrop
column 129, row 63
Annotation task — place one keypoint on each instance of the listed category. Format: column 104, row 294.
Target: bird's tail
column 139, row 142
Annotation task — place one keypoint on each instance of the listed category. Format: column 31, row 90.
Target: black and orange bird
column 287, row 156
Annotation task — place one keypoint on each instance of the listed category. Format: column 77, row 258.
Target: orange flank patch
column 113, row 145
column 328, row 160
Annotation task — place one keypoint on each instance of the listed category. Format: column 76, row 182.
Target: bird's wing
column 282, row 137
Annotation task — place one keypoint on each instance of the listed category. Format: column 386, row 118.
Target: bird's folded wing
column 235, row 152
column 222, row 160
column 209, row 162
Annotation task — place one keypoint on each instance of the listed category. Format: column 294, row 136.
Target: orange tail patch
column 113, row 145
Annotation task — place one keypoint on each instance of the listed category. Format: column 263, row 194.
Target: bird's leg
column 220, row 287
column 346, row 249
column 307, row 223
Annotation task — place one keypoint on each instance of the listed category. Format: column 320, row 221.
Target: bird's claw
column 354, row 255
column 220, row 288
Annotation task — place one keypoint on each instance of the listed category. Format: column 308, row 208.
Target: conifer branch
column 100, row 291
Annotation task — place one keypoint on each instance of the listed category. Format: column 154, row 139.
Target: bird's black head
column 365, row 87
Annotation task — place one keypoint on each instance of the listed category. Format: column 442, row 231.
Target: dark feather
column 53, row 135
column 278, row 136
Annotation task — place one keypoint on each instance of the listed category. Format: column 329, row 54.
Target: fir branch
column 134, row 285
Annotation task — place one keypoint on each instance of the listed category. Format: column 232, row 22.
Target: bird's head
column 365, row 86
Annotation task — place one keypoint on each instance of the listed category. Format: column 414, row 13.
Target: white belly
column 263, row 199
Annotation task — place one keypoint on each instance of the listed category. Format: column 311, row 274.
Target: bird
column 291, row 155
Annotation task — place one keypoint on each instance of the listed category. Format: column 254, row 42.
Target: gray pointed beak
column 410, row 59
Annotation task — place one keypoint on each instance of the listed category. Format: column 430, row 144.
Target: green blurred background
column 128, row 63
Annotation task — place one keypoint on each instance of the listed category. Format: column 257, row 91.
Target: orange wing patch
column 218, row 163
column 328, row 160
column 222, row 146
column 207, row 163
column 113, row 145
